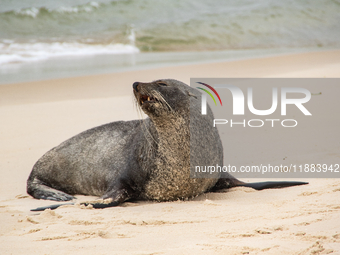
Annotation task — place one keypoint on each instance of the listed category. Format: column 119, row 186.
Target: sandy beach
column 36, row 116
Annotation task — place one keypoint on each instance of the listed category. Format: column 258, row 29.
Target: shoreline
column 319, row 64
column 77, row 66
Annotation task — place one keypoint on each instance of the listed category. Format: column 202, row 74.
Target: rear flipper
column 52, row 207
column 118, row 196
column 95, row 205
column 39, row 190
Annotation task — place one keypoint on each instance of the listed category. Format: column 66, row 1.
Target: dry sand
column 37, row 116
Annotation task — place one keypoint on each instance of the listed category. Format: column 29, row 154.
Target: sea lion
column 144, row 160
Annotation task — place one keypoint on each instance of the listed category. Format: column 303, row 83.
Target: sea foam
column 16, row 52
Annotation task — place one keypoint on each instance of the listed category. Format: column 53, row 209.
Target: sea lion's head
column 162, row 98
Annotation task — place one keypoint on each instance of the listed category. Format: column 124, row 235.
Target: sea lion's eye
column 162, row 83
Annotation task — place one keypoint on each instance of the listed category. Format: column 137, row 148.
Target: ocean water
column 32, row 30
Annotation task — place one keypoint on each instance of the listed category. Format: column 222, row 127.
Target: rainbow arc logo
column 204, row 97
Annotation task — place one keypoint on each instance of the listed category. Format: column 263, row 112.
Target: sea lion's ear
column 162, row 83
column 191, row 95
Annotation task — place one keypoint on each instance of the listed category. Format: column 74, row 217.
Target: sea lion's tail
column 95, row 205
column 271, row 185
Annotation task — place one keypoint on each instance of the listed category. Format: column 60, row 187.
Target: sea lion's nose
column 135, row 86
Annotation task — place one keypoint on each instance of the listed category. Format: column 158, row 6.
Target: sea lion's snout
column 161, row 97
column 145, row 98
column 143, row 95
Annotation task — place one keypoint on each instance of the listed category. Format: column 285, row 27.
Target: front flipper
column 226, row 183
column 272, row 185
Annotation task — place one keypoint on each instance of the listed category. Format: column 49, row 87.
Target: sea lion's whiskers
column 139, row 110
column 162, row 100
column 143, row 125
column 135, row 103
